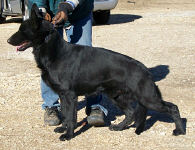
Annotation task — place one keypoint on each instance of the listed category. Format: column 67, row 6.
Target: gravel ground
column 159, row 33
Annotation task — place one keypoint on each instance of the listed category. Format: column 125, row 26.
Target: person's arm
column 68, row 6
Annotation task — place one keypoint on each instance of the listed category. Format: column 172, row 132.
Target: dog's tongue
column 18, row 47
column 22, row 46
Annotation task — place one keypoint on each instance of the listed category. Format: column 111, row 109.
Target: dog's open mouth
column 23, row 46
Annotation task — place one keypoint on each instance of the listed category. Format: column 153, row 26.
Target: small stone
column 193, row 144
column 162, row 133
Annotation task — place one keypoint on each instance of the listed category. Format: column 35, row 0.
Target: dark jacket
column 84, row 8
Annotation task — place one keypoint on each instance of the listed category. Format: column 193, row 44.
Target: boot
column 51, row 116
column 96, row 117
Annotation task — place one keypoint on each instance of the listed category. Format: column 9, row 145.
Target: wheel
column 2, row 19
column 101, row 17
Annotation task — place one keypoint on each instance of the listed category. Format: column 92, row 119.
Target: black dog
column 74, row 70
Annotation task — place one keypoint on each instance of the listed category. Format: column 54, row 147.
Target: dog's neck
column 48, row 51
column 50, row 41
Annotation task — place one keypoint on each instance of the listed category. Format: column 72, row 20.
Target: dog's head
column 31, row 32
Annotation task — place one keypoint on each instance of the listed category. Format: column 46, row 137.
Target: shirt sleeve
column 74, row 3
column 69, row 5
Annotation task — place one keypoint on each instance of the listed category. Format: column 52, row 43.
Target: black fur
column 73, row 70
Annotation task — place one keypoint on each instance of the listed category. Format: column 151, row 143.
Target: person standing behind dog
column 76, row 17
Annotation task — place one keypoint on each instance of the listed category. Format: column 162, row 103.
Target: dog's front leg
column 69, row 114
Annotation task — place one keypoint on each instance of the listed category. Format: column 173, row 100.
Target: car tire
column 101, row 17
column 2, row 19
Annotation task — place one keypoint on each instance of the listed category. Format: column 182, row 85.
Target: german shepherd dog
column 73, row 70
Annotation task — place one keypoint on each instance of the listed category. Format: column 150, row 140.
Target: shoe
column 51, row 116
column 96, row 117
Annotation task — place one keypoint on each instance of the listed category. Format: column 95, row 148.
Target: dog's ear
column 35, row 16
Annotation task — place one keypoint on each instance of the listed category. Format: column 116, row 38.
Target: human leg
column 81, row 33
column 50, row 101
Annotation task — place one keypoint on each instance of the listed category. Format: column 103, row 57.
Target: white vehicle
column 101, row 12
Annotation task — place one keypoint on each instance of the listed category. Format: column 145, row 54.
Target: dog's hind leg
column 126, row 107
column 174, row 112
column 168, row 108
column 140, row 118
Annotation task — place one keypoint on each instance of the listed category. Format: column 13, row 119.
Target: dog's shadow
column 159, row 72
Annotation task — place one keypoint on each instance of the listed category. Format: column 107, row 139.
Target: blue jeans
column 79, row 33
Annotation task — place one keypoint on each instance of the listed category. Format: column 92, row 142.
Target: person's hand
column 47, row 17
column 60, row 18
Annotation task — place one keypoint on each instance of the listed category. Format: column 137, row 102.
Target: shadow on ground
column 159, row 72
column 120, row 18
column 123, row 18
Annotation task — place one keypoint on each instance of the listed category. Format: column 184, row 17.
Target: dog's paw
column 115, row 128
column 177, row 132
column 138, row 131
column 65, row 137
column 59, row 130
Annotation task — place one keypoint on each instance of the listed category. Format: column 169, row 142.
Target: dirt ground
column 159, row 33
